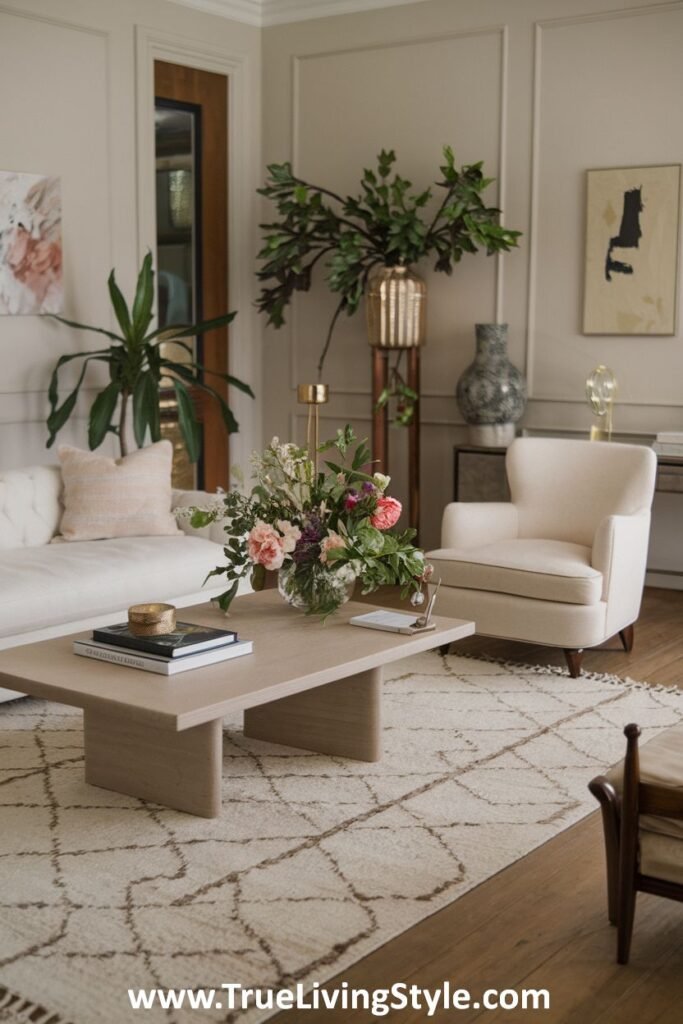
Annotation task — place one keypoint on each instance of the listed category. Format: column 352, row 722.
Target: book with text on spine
column 186, row 638
column 155, row 663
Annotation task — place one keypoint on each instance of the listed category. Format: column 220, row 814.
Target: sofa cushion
column 661, row 764
column 61, row 583
column 127, row 497
column 548, row 570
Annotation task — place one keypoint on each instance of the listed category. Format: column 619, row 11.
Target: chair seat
column 661, row 764
column 548, row 570
column 661, row 856
column 660, row 839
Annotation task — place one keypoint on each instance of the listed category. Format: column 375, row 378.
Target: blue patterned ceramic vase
column 491, row 393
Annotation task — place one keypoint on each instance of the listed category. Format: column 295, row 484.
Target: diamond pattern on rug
column 314, row 862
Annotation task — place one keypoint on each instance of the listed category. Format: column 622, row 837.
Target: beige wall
column 76, row 77
column 541, row 90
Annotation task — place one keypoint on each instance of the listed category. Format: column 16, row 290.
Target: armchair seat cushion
column 547, row 570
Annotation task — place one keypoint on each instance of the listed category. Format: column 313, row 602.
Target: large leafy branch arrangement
column 139, row 370
column 385, row 224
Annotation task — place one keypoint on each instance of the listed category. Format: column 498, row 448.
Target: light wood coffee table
column 307, row 684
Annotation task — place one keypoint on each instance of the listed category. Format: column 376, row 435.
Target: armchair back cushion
column 563, row 489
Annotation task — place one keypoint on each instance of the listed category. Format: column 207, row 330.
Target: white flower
column 381, row 481
column 275, row 442
column 290, row 533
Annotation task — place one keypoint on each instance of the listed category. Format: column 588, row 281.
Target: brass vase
column 396, row 307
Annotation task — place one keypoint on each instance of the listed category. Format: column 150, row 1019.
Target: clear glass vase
column 314, row 588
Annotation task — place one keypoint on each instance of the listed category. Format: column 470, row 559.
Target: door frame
column 243, row 174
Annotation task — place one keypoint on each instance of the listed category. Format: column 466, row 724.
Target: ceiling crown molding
column 263, row 13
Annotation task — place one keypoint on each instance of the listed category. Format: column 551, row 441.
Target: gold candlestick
column 313, row 395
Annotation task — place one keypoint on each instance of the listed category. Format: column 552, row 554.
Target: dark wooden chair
column 625, row 799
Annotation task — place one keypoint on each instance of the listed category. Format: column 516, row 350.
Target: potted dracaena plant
column 137, row 370
column 368, row 244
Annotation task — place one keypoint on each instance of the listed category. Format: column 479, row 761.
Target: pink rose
column 265, row 546
column 333, row 540
column 387, row 514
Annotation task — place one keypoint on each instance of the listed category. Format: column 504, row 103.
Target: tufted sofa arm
column 30, row 506
column 470, row 524
column 187, row 499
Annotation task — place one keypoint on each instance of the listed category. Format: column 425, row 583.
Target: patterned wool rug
column 314, row 862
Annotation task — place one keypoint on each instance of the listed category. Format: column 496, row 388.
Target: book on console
column 185, row 639
column 666, row 448
column 164, row 666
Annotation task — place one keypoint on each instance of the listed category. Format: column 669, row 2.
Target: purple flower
column 368, row 487
column 308, row 546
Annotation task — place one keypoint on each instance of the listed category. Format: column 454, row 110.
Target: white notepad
column 392, row 622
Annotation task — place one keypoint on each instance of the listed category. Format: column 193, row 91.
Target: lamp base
column 491, row 435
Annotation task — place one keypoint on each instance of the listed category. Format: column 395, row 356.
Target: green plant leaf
column 146, row 409
column 101, row 355
column 86, row 327
column 172, row 331
column 224, row 600
column 101, row 414
column 59, row 416
column 187, row 419
column 144, row 297
column 120, row 306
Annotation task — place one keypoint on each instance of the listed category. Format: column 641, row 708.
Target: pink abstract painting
column 30, row 244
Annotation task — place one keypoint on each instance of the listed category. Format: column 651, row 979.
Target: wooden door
column 207, row 94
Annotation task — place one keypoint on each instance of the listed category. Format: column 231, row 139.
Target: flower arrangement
column 320, row 530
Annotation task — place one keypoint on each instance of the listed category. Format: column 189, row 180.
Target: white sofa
column 51, row 589
column 562, row 563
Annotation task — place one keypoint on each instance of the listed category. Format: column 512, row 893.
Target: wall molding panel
column 298, row 60
column 541, row 28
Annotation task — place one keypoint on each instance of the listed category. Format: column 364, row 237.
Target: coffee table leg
column 340, row 718
column 177, row 769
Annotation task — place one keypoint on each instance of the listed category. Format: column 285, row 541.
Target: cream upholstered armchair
column 563, row 562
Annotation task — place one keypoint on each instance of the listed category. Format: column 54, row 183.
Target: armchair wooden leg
column 574, row 658
column 605, row 793
column 626, row 636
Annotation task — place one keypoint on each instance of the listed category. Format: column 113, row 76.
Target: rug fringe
column 17, row 1010
column 556, row 670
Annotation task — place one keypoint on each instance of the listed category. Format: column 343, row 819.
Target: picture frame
column 631, row 257
column 30, row 244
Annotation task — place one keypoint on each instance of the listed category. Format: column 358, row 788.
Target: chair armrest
column 620, row 554
column 470, row 524
column 202, row 499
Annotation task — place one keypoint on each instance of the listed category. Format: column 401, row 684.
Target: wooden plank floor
column 542, row 922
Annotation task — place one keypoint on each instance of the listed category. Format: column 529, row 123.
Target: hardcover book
column 186, row 638
column 129, row 658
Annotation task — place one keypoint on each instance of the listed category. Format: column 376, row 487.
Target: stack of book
column 669, row 442
column 187, row 647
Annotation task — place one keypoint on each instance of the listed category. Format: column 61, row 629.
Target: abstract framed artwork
column 632, row 216
column 30, row 244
